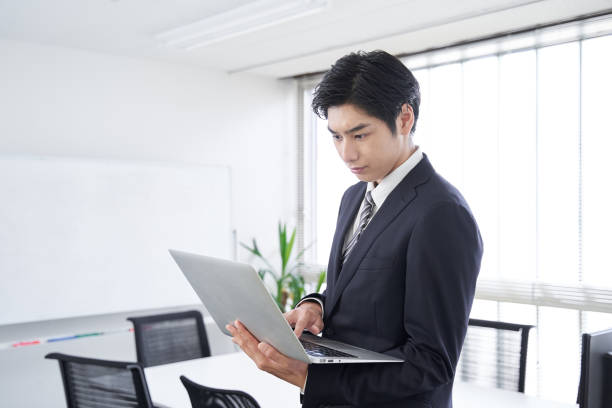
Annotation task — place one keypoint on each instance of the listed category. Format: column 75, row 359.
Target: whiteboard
column 82, row 237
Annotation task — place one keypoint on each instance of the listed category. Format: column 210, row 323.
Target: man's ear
column 405, row 120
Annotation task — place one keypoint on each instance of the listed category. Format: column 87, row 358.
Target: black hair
column 375, row 81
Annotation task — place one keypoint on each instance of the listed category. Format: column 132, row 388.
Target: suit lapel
column 400, row 197
column 344, row 223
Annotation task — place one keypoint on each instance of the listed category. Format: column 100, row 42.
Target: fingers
column 299, row 327
column 291, row 316
column 311, row 320
column 306, row 315
column 267, row 358
column 275, row 362
column 272, row 354
column 316, row 328
column 243, row 338
column 250, row 345
column 297, row 318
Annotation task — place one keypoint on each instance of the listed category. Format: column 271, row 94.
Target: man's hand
column 306, row 316
column 267, row 358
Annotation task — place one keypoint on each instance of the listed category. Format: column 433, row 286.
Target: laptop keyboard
column 317, row 350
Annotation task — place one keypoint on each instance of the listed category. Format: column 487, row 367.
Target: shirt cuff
column 311, row 299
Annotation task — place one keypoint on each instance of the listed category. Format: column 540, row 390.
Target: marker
column 26, row 343
column 78, row 336
column 61, row 339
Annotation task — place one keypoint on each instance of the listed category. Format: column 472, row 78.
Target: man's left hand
column 267, row 358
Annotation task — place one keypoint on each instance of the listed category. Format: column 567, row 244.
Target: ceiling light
column 241, row 20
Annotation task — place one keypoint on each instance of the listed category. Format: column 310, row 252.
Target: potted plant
column 290, row 284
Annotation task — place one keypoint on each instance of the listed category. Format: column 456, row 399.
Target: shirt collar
column 391, row 180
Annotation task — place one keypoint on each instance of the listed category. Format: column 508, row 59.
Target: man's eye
column 361, row 136
column 337, row 137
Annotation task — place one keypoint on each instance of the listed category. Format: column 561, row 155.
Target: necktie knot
column 369, row 199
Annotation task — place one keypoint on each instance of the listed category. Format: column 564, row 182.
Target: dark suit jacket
column 405, row 290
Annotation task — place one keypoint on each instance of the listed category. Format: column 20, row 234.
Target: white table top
column 234, row 371
column 237, row 371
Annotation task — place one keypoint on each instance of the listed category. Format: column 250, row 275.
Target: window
column 521, row 126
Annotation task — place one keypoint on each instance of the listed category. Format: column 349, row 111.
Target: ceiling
column 302, row 45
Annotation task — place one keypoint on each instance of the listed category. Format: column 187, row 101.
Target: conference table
column 237, row 371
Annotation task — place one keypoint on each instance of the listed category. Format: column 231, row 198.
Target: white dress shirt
column 381, row 191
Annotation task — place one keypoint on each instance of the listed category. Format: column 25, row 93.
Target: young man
column 404, row 259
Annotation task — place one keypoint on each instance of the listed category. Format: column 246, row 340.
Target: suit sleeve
column 442, row 263
column 315, row 297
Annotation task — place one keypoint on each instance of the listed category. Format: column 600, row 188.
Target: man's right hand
column 307, row 316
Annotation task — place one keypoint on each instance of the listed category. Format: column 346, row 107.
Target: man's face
column 366, row 144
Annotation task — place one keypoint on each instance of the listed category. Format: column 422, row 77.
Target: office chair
column 494, row 354
column 168, row 338
column 96, row 383
column 206, row 397
column 607, row 379
column 594, row 390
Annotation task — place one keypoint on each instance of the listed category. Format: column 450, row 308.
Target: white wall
column 66, row 102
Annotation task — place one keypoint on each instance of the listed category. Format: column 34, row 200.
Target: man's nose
column 349, row 152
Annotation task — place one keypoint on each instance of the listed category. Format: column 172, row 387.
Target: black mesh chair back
column 206, row 397
column 494, row 354
column 595, row 370
column 168, row 338
column 92, row 383
column 607, row 379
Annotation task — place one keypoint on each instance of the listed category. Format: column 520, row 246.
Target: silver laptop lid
column 233, row 291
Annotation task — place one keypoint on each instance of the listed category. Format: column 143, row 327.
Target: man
column 405, row 255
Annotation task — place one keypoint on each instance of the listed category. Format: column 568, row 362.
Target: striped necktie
column 364, row 217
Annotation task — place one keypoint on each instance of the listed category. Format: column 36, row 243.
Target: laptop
column 233, row 291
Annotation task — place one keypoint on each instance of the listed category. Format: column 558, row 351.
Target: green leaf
column 296, row 286
column 282, row 244
column 288, row 249
column 289, row 281
column 255, row 251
